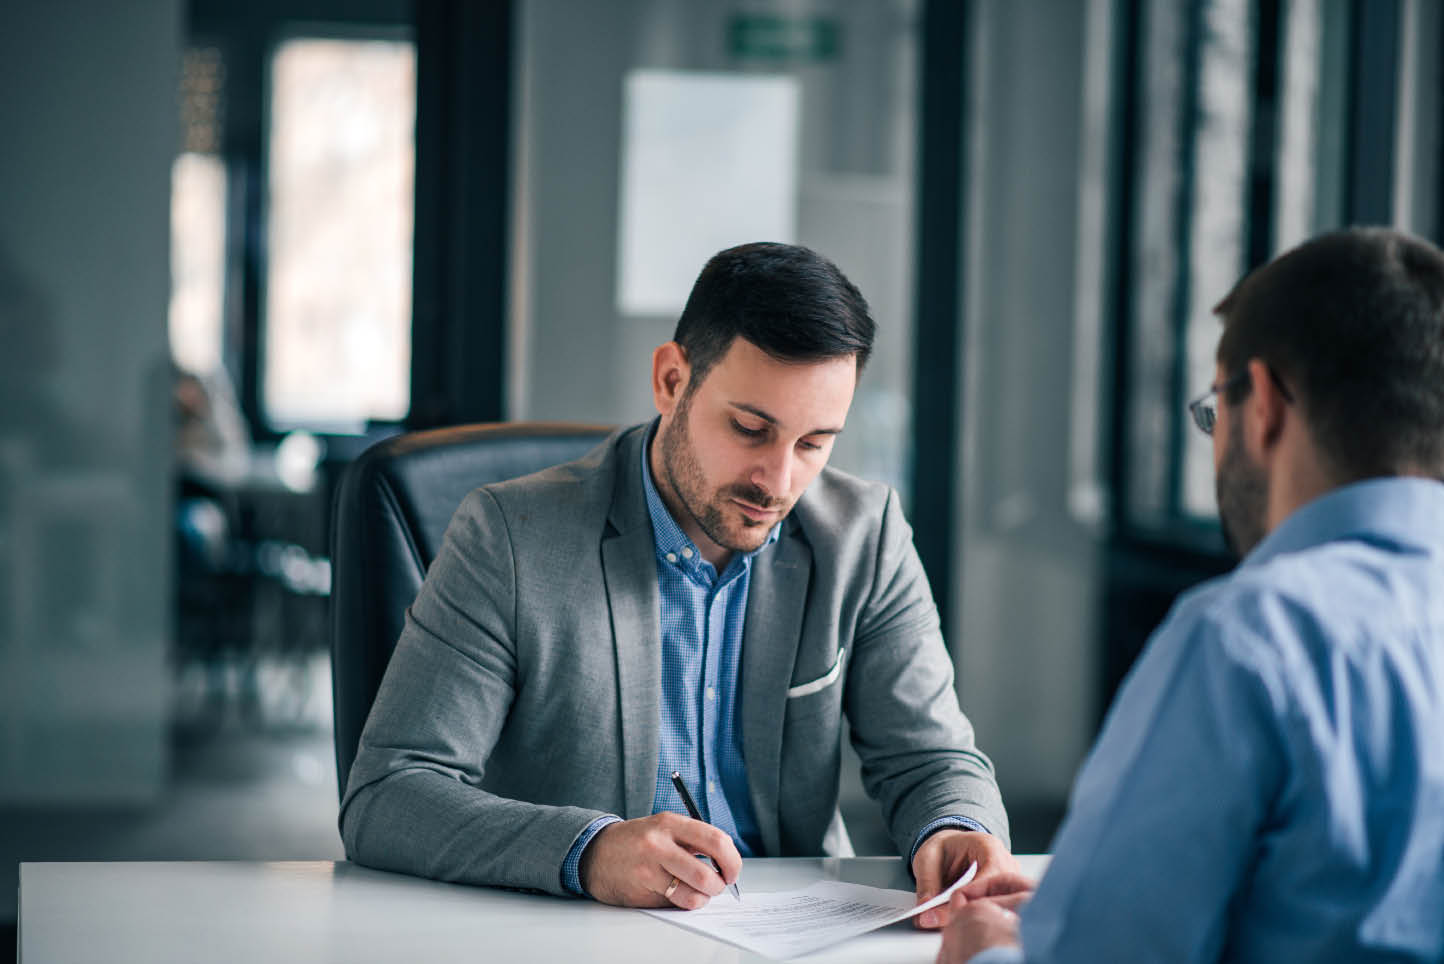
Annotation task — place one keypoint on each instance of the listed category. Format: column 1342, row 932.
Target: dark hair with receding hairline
column 1353, row 323
column 788, row 300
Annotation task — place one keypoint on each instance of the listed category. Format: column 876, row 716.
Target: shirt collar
column 672, row 544
column 1405, row 511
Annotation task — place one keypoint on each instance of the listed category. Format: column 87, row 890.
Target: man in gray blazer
column 700, row 595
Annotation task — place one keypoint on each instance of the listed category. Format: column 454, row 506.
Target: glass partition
column 652, row 134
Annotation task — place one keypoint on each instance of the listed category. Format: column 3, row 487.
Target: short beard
column 684, row 477
column 1242, row 491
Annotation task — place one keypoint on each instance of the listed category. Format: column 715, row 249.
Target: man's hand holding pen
column 696, row 814
column 650, row 862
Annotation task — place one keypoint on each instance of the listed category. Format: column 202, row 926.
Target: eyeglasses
column 1205, row 410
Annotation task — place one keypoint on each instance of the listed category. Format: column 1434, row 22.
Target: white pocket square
column 822, row 682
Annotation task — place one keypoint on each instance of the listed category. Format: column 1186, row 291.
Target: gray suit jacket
column 522, row 701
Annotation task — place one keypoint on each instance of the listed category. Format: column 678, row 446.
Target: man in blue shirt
column 700, row 595
column 1269, row 784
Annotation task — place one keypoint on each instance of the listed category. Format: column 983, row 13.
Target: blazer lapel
column 629, row 567
column 775, row 607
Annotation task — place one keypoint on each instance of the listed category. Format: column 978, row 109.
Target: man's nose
column 773, row 472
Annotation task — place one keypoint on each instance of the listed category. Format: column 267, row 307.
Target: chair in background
column 391, row 511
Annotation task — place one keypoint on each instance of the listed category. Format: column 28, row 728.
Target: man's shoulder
column 1300, row 606
column 568, row 498
column 840, row 506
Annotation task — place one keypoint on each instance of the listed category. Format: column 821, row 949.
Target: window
column 198, row 217
column 1239, row 152
column 340, row 171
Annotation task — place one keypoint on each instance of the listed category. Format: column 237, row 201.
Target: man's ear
column 1266, row 406
column 670, row 373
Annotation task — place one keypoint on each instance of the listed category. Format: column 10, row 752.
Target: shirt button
column 711, row 693
column 711, row 787
column 671, row 557
column 686, row 553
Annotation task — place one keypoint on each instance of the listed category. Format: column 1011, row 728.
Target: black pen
column 697, row 815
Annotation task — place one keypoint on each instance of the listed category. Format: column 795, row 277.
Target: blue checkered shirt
column 702, row 616
column 700, row 736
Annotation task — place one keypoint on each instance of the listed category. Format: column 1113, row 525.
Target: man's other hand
column 635, row 862
column 979, row 924
column 945, row 856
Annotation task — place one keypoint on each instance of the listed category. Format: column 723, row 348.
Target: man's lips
column 754, row 512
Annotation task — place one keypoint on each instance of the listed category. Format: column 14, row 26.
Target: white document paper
column 790, row 923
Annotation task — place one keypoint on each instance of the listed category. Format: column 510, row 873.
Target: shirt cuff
column 943, row 823
column 572, row 866
column 998, row 955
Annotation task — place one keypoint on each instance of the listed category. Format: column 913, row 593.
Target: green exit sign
column 772, row 37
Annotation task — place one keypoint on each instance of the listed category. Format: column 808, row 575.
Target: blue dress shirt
column 702, row 616
column 700, row 733
column 1269, row 785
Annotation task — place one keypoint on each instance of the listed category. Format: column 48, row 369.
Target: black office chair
column 392, row 507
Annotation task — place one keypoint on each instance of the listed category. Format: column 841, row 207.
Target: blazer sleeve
column 414, row 802
column 919, row 759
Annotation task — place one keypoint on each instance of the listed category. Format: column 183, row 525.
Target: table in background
column 311, row 911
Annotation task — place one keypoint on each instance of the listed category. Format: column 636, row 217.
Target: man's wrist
column 944, row 823
column 572, row 866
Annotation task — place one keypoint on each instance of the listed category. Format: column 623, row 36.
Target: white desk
column 241, row 911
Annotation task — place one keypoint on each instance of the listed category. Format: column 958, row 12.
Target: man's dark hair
column 789, row 301
column 1352, row 323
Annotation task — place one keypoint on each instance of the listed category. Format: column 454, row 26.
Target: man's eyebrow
column 754, row 410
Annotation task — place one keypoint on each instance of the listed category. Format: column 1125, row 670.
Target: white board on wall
column 709, row 160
